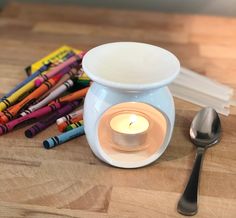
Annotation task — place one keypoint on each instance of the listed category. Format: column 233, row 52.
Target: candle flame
column 133, row 119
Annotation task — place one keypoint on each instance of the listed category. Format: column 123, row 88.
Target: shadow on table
column 180, row 145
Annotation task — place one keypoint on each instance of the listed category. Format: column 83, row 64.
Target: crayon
column 69, row 116
column 73, row 96
column 20, row 92
column 45, row 123
column 62, row 126
column 74, row 125
column 73, row 73
column 28, row 79
column 54, row 57
column 63, row 59
column 10, row 126
column 65, row 67
column 62, row 138
column 82, row 83
column 48, row 75
column 6, row 103
column 54, row 94
column 79, row 84
column 10, row 113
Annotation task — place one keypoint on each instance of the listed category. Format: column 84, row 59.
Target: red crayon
column 62, row 126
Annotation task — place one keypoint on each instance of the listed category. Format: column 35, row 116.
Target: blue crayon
column 64, row 137
column 28, row 79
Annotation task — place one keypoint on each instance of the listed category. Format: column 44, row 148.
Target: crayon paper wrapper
column 53, row 57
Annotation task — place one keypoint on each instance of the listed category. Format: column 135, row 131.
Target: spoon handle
column 187, row 204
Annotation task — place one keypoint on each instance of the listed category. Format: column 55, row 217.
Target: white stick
column 206, row 80
column 199, row 98
column 200, row 86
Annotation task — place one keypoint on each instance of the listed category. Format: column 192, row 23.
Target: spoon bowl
column 205, row 131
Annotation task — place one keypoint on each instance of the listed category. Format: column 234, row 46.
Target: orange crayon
column 11, row 112
column 62, row 126
column 73, row 96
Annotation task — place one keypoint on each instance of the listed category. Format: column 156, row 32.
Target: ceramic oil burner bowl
column 129, row 112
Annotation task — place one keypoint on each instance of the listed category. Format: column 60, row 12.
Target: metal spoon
column 205, row 131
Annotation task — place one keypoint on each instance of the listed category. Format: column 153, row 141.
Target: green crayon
column 79, row 84
column 74, row 125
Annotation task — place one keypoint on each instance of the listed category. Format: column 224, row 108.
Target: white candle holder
column 129, row 81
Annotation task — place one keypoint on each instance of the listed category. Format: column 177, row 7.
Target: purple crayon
column 45, row 123
column 10, row 126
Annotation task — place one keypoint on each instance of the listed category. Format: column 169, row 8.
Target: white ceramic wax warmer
column 128, row 111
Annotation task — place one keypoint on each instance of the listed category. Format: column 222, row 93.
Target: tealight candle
column 129, row 129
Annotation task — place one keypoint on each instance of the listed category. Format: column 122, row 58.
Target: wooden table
column 69, row 181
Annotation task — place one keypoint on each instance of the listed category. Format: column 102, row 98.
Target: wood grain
column 69, row 181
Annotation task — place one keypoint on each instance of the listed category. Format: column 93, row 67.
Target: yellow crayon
column 17, row 95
